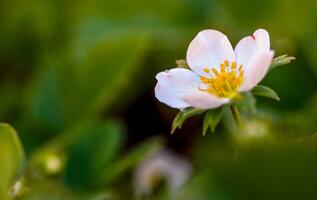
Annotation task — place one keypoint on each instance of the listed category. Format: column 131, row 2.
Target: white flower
column 218, row 72
column 165, row 165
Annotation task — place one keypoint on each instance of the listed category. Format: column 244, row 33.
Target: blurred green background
column 77, row 83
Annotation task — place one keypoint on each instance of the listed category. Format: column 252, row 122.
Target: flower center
column 223, row 83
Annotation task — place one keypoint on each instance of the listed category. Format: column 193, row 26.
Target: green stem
column 235, row 114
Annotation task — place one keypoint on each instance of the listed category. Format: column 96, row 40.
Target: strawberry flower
column 217, row 71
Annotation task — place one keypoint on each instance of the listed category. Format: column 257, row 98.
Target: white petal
column 251, row 46
column 208, row 49
column 173, row 84
column 256, row 71
column 204, row 100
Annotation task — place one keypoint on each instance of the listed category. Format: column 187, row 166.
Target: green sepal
column 236, row 114
column 281, row 60
column 183, row 115
column 246, row 102
column 182, row 63
column 265, row 91
column 212, row 119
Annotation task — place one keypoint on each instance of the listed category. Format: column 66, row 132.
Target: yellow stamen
column 241, row 74
column 233, row 64
column 223, row 83
column 240, row 68
column 222, row 67
column 226, row 63
column 204, row 79
column 215, row 71
column 234, row 67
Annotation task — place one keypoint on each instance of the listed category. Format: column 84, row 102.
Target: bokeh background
column 77, row 83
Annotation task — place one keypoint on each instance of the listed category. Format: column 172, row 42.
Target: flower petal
column 208, row 49
column 256, row 70
column 251, row 46
column 173, row 84
column 204, row 100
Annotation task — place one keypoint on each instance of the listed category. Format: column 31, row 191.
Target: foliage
column 77, row 84
column 11, row 158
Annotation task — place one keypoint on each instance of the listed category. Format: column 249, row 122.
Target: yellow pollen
column 226, row 63
column 234, row 67
column 206, row 70
column 233, row 64
column 225, row 83
column 215, row 71
column 204, row 79
column 222, row 68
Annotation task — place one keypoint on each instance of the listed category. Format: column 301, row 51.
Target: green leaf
column 136, row 155
column 183, row 115
column 281, row 60
column 265, row 91
column 230, row 172
column 44, row 105
column 96, row 74
column 98, row 147
column 182, row 63
column 212, row 119
column 11, row 158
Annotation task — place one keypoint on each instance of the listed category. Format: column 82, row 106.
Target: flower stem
column 236, row 114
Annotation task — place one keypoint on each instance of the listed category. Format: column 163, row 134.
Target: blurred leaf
column 44, row 106
column 93, row 152
column 265, row 91
column 310, row 138
column 49, row 189
column 108, row 74
column 182, row 64
column 281, row 60
column 9, row 98
column 11, row 158
column 266, row 169
column 74, row 85
column 135, row 156
column 212, row 119
column 268, row 172
column 183, row 115
column 304, row 118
